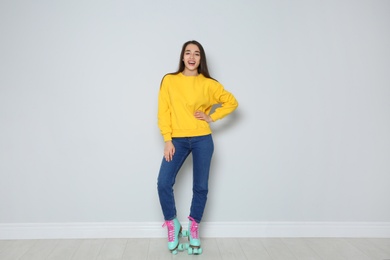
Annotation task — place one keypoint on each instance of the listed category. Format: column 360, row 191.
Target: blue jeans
column 202, row 148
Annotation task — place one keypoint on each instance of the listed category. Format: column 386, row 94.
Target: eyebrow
column 190, row 50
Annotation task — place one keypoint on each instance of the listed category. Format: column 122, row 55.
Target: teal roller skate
column 193, row 236
column 174, row 234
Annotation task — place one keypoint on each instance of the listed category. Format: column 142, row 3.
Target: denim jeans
column 202, row 148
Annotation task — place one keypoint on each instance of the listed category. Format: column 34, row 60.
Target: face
column 191, row 59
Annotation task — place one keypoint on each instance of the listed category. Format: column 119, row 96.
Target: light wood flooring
column 213, row 248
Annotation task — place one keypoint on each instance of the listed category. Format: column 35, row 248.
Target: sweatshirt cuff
column 167, row 137
column 214, row 117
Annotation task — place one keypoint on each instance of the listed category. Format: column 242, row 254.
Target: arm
column 164, row 112
column 164, row 121
column 226, row 99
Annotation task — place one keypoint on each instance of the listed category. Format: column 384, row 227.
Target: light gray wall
column 78, row 99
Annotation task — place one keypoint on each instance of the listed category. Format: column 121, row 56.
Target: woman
column 184, row 103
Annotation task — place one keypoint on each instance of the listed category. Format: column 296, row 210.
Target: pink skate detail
column 171, row 230
column 194, row 228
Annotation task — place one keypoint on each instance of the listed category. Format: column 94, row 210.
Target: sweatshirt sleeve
column 164, row 111
column 226, row 99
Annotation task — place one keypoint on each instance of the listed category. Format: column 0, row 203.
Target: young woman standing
column 184, row 104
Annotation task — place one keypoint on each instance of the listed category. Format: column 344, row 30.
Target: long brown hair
column 202, row 69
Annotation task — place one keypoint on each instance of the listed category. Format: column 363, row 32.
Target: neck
column 190, row 72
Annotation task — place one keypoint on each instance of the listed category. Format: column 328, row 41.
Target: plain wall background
column 79, row 80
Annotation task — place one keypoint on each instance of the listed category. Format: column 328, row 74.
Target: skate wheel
column 194, row 251
column 197, row 251
column 184, row 246
column 181, row 247
column 174, row 252
column 185, row 233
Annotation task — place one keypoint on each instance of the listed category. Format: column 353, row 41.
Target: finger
column 169, row 156
column 198, row 116
column 166, row 156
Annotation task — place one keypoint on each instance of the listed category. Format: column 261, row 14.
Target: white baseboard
column 208, row 229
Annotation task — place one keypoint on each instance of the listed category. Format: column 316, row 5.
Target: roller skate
column 193, row 236
column 174, row 234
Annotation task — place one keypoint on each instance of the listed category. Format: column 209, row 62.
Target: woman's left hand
column 202, row 116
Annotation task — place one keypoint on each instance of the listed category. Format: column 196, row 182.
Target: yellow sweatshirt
column 180, row 96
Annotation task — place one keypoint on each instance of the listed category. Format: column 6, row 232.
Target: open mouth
column 192, row 63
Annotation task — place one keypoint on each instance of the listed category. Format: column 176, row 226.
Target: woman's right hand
column 169, row 151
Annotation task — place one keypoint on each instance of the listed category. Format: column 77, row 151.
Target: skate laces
column 194, row 228
column 171, row 230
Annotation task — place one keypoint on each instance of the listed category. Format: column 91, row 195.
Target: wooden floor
column 213, row 248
